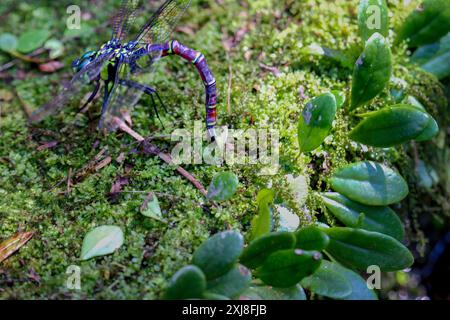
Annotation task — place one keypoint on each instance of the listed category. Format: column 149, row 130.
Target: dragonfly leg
column 199, row 61
column 92, row 96
column 148, row 91
column 105, row 99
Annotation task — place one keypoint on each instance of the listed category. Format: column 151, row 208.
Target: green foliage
column 359, row 249
column 8, row 42
column 311, row 238
column 370, row 183
column 435, row 57
column 270, row 293
column 34, row 181
column 328, row 282
column 223, row 186
column 373, row 17
column 32, row 40
column 262, row 223
column 316, row 121
column 188, row 283
column 340, row 98
column 426, row 24
column 285, row 268
column 219, row 253
column 153, row 209
column 261, row 248
column 372, row 71
column 334, row 281
column 379, row 219
column 232, row 283
column 101, row 241
column 392, row 126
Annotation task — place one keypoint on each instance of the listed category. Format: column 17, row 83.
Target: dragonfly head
column 85, row 59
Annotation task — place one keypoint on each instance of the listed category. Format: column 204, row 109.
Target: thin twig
column 163, row 156
column 12, row 63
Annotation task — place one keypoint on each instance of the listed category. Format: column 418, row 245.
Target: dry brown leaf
column 51, row 66
column 11, row 245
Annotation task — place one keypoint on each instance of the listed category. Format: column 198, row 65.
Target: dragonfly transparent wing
column 160, row 26
column 71, row 90
column 158, row 30
column 124, row 19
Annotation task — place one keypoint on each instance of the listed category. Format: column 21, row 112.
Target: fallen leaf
column 47, row 145
column 276, row 72
column 11, row 245
column 117, row 187
column 51, row 66
column 103, row 163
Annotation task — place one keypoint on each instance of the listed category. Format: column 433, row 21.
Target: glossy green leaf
column 8, row 42
column 373, row 16
column 286, row 268
column 328, row 282
column 431, row 130
column 258, row 250
column 101, row 241
column 370, row 183
column 188, row 283
column 390, row 126
column 427, row 24
column 217, row 255
column 311, row 238
column 360, row 290
column 316, row 121
column 262, row 223
column 315, row 49
column 378, row 219
column 270, row 293
column 340, row 98
column 359, row 249
column 334, row 281
column 223, row 186
column 435, row 58
column 372, row 71
column 425, row 53
column 32, row 40
column 232, row 283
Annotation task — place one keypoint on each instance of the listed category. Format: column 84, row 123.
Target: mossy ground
column 34, row 194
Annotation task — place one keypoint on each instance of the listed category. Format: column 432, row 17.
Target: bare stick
column 163, row 156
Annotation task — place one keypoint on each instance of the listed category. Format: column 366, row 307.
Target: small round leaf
column 101, row 241
column 188, row 283
column 217, row 255
column 223, row 186
column 286, row 268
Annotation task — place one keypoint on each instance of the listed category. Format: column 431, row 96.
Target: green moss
column 34, row 194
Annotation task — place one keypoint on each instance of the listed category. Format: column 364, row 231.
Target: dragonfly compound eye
column 85, row 59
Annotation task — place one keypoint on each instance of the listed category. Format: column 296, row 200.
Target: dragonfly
column 119, row 63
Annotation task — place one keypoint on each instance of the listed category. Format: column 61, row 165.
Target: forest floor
column 56, row 178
